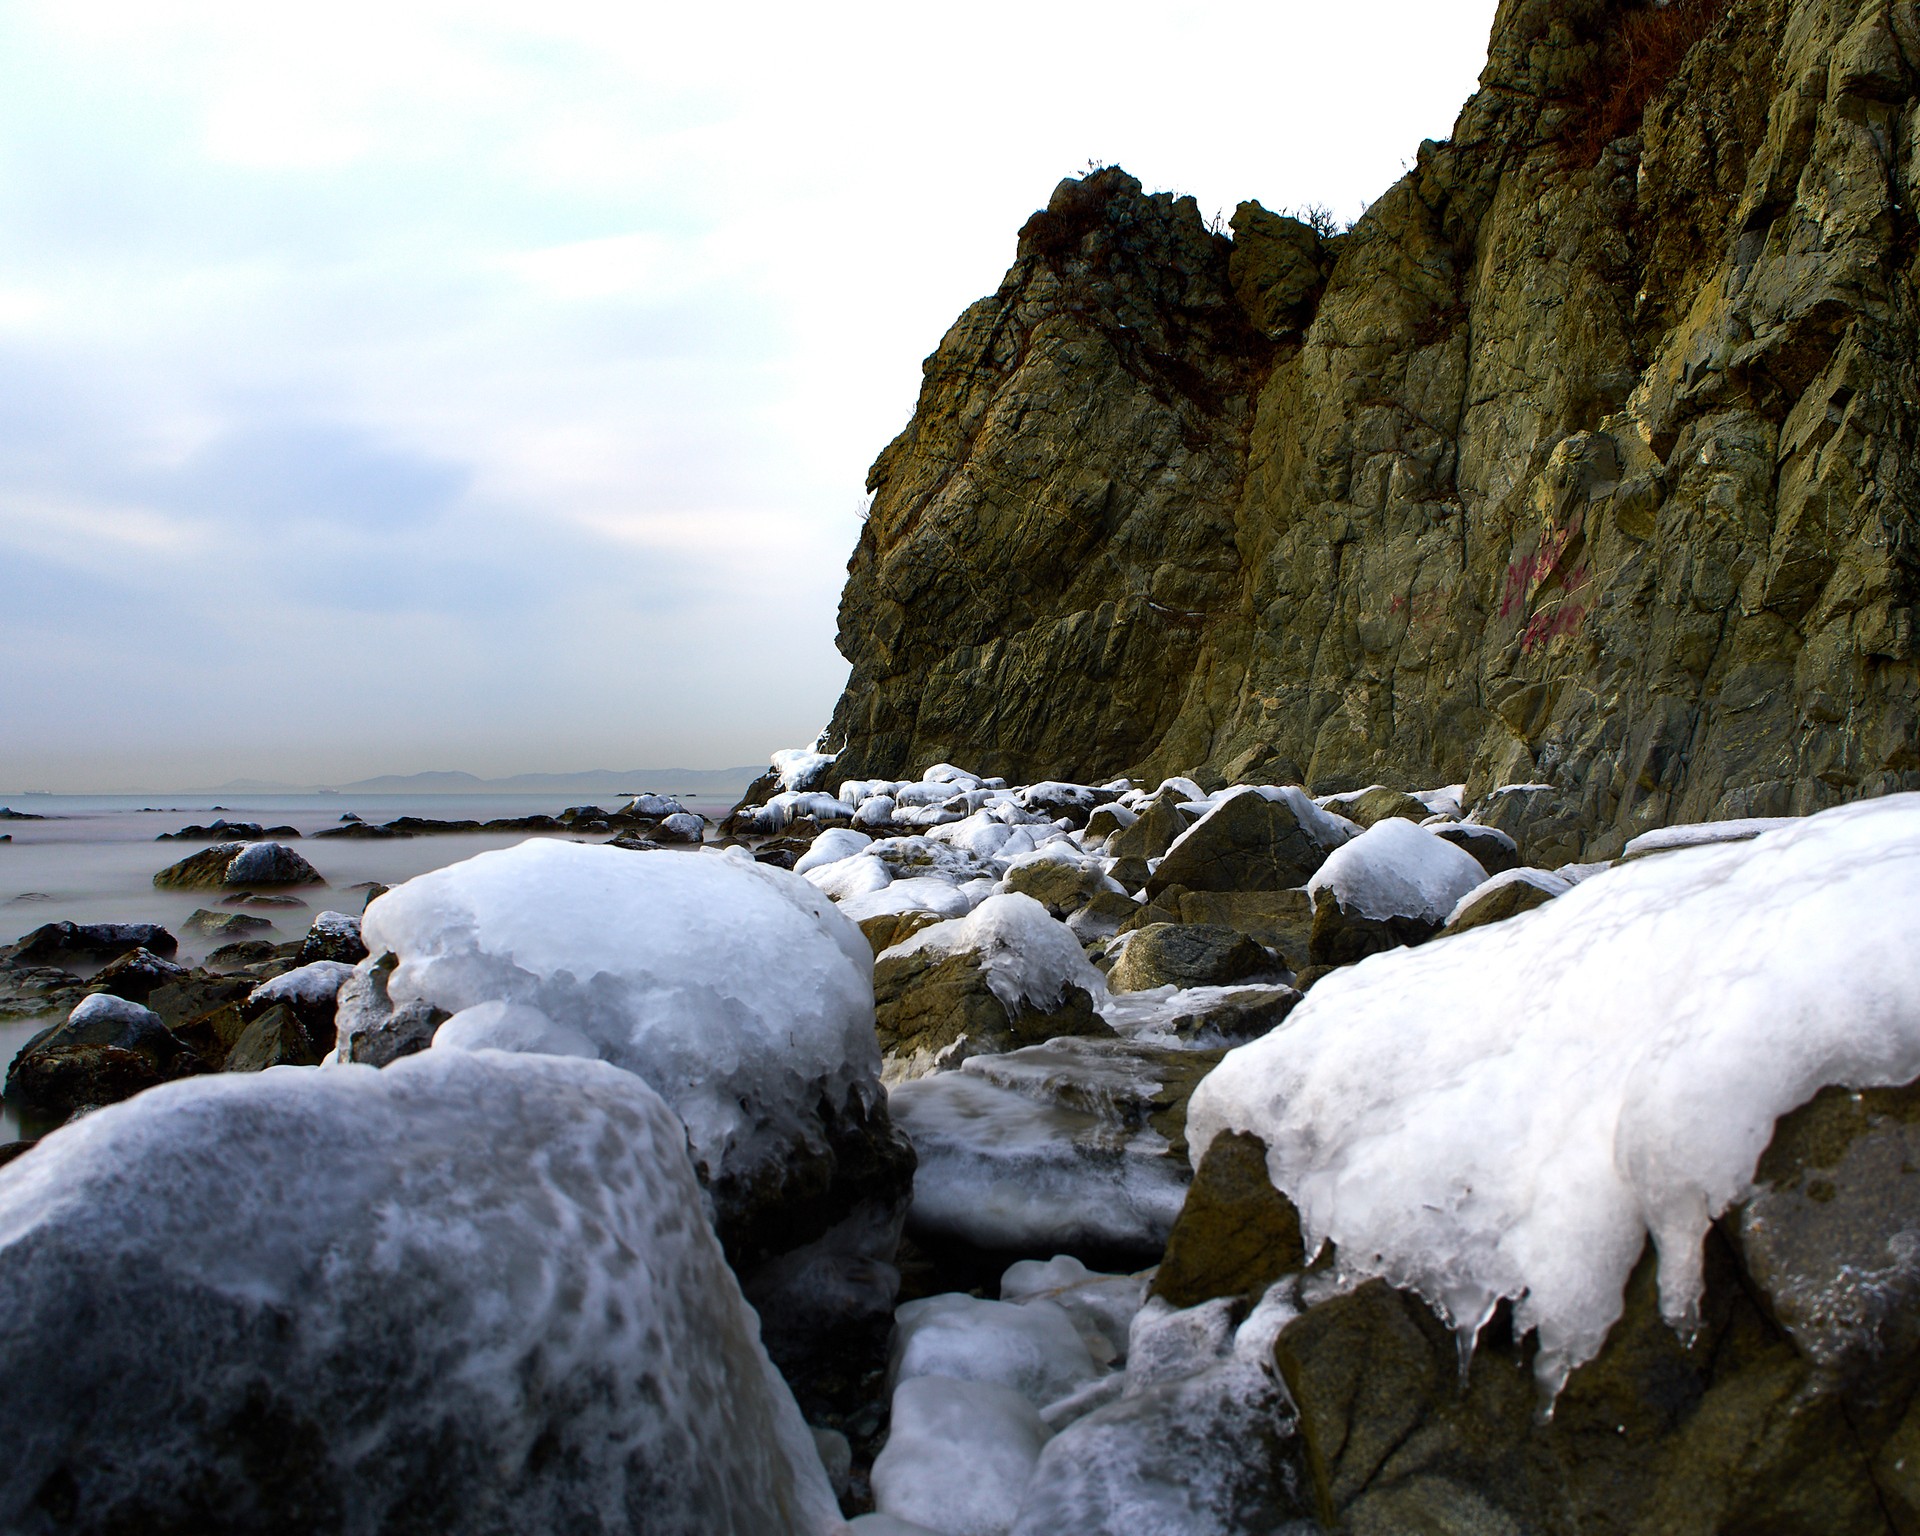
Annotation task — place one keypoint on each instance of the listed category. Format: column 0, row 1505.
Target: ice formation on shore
column 1510, row 1112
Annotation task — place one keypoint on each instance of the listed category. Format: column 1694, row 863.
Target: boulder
column 333, row 936
column 1504, row 896
column 1394, row 884
column 1229, row 1016
column 933, row 1010
column 1101, row 916
column 242, row 953
column 370, row 1028
column 199, row 1334
column 270, row 864
column 137, row 974
column 1062, row 887
column 1496, row 852
column 1150, row 835
column 890, row 928
column 1107, row 820
column 311, row 994
column 1236, row 1234
column 275, row 1038
column 1187, row 955
column 1003, row 976
column 1250, row 842
column 51, row 943
column 202, row 871
column 1280, row 920
column 225, row 926
column 107, row 1050
column 1377, row 804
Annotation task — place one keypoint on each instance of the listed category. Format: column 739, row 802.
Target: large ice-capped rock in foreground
column 470, row 1293
column 737, row 990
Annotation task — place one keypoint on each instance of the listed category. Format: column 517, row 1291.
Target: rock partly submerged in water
column 108, row 1049
column 500, row 1309
column 238, row 864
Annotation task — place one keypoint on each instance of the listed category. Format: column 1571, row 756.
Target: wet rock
column 225, row 926
column 270, row 864
column 52, row 943
column 1187, row 955
column 891, row 928
column 333, row 936
column 934, row 1010
column 1377, row 804
column 1280, row 920
column 107, row 1050
column 274, row 1039
column 1248, row 843
column 370, row 1029
column 1062, row 888
column 1496, row 852
column 1787, row 1408
column 1503, row 897
column 1236, row 1234
column 240, row 953
column 137, row 974
column 1231, row 1015
column 202, row 871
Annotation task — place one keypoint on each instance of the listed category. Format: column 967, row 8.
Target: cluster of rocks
column 658, row 817
column 142, row 1019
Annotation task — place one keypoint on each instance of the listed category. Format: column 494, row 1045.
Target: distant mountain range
column 714, row 782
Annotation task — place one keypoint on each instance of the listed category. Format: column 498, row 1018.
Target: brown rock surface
column 1586, row 458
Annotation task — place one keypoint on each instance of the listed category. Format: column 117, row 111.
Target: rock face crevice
column 1589, row 469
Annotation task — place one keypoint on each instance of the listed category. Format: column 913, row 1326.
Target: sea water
column 92, row 859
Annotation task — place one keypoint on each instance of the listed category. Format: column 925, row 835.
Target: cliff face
column 1585, row 458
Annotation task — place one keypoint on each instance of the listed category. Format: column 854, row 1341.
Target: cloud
column 481, row 385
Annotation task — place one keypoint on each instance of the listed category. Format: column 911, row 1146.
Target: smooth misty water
column 94, row 858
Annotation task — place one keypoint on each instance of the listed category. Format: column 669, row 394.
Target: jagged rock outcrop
column 1588, row 457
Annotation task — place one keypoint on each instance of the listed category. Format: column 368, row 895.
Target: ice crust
column 958, row 1456
column 425, row 1272
column 1000, row 1170
column 1512, row 1111
column 312, row 984
column 737, row 990
column 1028, row 957
column 1397, row 869
column 1324, row 826
column 1695, row 834
column 1031, row 1348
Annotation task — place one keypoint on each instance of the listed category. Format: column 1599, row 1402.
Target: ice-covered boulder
column 1393, row 884
column 1004, row 975
column 958, row 1456
column 1496, row 852
column 333, row 936
column 1510, row 1113
column 1032, row 1348
column 310, row 993
column 472, row 1293
column 1252, row 839
column 737, row 990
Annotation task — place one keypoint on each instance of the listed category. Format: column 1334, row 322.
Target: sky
column 416, row 386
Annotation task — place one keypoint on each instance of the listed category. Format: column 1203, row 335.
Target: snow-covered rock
column 270, row 864
column 1030, row 960
column 333, row 936
column 470, row 1293
column 1032, row 1348
column 1510, row 1113
column 830, row 847
column 1393, row 884
column 737, row 990
column 1700, row 833
column 958, row 1456
column 802, row 768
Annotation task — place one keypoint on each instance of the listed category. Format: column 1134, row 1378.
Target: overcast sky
column 492, row 386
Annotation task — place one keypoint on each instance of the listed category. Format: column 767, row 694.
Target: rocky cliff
column 1585, row 458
